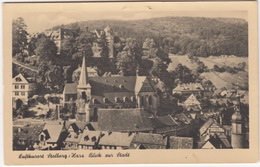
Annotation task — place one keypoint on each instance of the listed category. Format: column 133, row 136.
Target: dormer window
column 86, row 138
column 105, row 100
column 18, row 79
column 93, row 138
column 117, row 99
column 121, row 86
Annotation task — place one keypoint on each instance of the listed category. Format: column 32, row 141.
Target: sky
column 40, row 21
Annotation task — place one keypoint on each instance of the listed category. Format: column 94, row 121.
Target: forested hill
column 197, row 36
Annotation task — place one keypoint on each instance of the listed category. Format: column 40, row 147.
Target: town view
column 156, row 83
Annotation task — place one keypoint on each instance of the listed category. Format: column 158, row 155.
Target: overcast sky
column 39, row 21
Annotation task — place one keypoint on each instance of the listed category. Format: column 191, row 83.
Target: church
column 116, row 92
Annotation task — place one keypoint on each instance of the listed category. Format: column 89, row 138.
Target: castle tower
column 83, row 88
column 110, row 39
column 238, row 135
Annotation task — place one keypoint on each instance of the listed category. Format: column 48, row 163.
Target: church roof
column 124, row 120
column 163, row 121
column 83, row 79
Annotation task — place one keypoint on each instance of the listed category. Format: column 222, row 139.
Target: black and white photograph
column 129, row 79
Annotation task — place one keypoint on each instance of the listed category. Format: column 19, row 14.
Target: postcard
column 130, row 83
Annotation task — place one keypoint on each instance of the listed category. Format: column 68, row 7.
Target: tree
column 126, row 63
column 19, row 36
column 46, row 50
column 184, row 74
column 201, row 67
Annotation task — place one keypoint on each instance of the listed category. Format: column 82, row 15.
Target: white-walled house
column 22, row 88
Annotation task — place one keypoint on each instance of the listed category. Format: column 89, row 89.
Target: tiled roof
column 192, row 100
column 219, row 141
column 22, row 79
column 116, row 139
column 70, row 88
column 189, row 87
column 184, row 118
column 53, row 130
column 122, row 87
column 167, row 120
column 206, row 125
column 27, row 132
column 224, row 140
column 124, row 120
column 73, row 137
column 89, row 137
column 181, row 142
column 150, row 140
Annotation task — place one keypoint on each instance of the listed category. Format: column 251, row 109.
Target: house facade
column 23, row 88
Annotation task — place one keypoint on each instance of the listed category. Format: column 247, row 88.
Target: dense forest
column 196, row 36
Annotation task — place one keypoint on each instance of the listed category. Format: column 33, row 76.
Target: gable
column 192, row 100
column 19, row 79
column 146, row 86
column 208, row 145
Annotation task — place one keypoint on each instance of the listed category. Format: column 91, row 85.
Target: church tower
column 238, row 135
column 83, row 95
column 84, row 88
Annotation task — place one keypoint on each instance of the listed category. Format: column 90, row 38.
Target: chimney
column 86, row 28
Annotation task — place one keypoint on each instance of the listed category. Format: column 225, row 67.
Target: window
column 18, row 79
column 22, row 86
column 16, row 93
column 23, row 93
column 16, row 86
column 150, row 100
column 141, row 101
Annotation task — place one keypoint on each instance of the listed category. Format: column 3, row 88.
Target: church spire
column 83, row 80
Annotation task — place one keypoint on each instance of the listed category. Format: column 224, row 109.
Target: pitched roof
column 219, row 141
column 206, row 125
column 224, row 140
column 150, row 140
column 166, row 120
column 53, row 130
column 184, row 118
column 181, row 142
column 20, row 79
column 70, row 88
column 122, row 87
column 124, row 120
column 27, row 132
column 87, row 136
column 83, row 79
column 116, row 139
column 73, row 137
column 192, row 100
column 189, row 87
